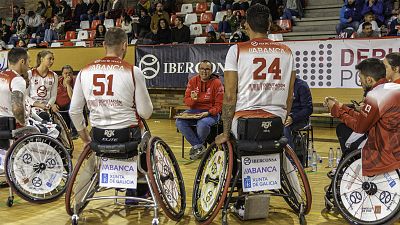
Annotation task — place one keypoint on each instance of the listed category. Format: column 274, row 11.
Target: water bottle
column 330, row 158
column 314, row 161
column 309, row 155
column 338, row 156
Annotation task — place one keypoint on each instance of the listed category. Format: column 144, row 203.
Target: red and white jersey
column 42, row 88
column 9, row 81
column 264, row 71
column 115, row 93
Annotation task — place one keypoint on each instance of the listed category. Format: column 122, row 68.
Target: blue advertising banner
column 170, row 66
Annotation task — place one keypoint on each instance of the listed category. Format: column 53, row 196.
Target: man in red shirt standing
column 64, row 95
column 204, row 95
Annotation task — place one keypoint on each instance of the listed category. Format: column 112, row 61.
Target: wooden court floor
column 105, row 212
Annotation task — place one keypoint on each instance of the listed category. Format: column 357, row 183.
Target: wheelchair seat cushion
column 116, row 143
column 260, row 129
column 246, row 147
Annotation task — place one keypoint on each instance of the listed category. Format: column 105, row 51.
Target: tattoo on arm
column 228, row 111
column 18, row 106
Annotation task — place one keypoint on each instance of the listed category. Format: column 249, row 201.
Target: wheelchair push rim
column 362, row 199
column 38, row 168
column 166, row 178
column 302, row 199
column 65, row 134
column 84, row 181
column 212, row 182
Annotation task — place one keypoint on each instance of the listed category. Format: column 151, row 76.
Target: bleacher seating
column 108, row 23
column 68, row 44
column 94, row 24
column 190, row 18
column 201, row 7
column 83, row 35
column 185, row 9
column 275, row 37
column 200, row 40
column 69, row 35
column 92, row 35
column 219, row 16
column 80, row 44
column 196, row 30
column 55, row 44
column 85, row 24
column 205, row 18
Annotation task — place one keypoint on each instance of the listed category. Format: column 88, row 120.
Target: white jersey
column 264, row 71
column 9, row 81
column 115, row 93
column 42, row 89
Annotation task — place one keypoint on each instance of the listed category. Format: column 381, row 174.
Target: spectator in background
column 64, row 95
column 143, row 4
column 92, row 10
column 368, row 32
column 80, row 9
column 40, row 31
column 163, row 35
column 229, row 23
column 126, row 25
column 349, row 16
column 116, row 10
column 142, row 26
column 376, row 7
column 21, row 32
column 220, row 5
column 292, row 8
column 33, row 21
column 49, row 11
column 56, row 30
column 212, row 38
column 392, row 64
column 301, row 111
column 105, row 5
column 240, row 5
column 5, row 31
column 100, row 34
column 180, row 33
column 15, row 13
column 41, row 8
column 21, row 43
column 158, row 15
column 65, row 12
column 204, row 94
column 395, row 26
column 369, row 17
column 388, row 7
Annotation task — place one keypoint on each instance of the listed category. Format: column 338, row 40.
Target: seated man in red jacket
column 204, row 94
column 379, row 117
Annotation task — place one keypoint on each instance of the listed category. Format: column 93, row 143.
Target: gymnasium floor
column 105, row 212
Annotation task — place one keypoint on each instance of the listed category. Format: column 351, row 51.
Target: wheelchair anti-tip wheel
column 38, row 168
column 83, row 184
column 362, row 199
column 295, row 186
column 65, row 133
column 166, row 178
column 212, row 182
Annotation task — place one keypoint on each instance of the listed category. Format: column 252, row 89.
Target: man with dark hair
column 203, row 95
column 392, row 64
column 13, row 88
column 246, row 69
column 158, row 14
column 180, row 33
column 116, row 95
column 379, row 117
column 367, row 31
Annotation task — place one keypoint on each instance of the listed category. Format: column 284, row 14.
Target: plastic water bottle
column 338, row 156
column 314, row 161
column 330, row 158
column 310, row 155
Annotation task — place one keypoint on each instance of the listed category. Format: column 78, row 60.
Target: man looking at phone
column 204, row 95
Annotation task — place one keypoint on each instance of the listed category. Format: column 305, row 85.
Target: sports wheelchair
column 155, row 161
column 213, row 181
column 36, row 166
column 362, row 199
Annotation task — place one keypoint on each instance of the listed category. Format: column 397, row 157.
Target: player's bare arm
column 18, row 106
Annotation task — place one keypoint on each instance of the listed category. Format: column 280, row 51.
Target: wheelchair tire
column 65, row 134
column 362, row 199
column 75, row 187
column 208, row 200
column 33, row 178
column 287, row 188
column 166, row 179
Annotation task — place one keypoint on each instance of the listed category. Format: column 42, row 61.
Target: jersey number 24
column 274, row 69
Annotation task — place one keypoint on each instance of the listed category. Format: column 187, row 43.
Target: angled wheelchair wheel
column 212, row 182
column 295, row 186
column 65, row 133
column 166, row 178
column 38, row 168
column 83, row 184
column 362, row 199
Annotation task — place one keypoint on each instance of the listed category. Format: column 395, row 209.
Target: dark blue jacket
column 376, row 9
column 353, row 11
column 302, row 106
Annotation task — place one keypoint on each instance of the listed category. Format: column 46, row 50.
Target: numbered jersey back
column 109, row 88
column 264, row 72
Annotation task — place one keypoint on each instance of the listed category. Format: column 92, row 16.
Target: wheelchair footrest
column 256, row 206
